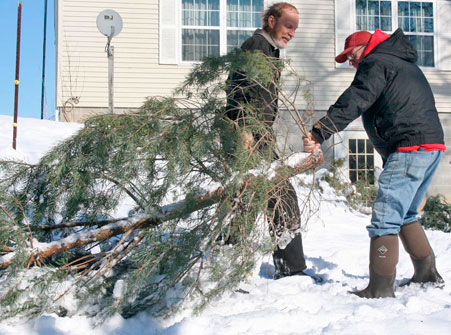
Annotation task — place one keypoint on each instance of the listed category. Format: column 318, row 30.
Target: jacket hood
column 397, row 45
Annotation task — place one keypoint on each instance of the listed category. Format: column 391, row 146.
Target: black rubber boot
column 289, row 261
column 417, row 246
column 384, row 251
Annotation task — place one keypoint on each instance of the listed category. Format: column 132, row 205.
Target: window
column 200, row 29
column 361, row 160
column 415, row 18
column 372, row 15
column 243, row 17
column 206, row 32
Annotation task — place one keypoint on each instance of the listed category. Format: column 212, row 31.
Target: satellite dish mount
column 109, row 23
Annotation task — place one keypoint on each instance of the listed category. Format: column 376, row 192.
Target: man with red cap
column 398, row 111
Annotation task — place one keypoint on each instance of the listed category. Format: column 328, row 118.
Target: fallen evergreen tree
column 189, row 197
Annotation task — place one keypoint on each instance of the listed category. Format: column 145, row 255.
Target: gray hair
column 276, row 11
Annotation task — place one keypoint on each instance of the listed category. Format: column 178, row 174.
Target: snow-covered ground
column 336, row 246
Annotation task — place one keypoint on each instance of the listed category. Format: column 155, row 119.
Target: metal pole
column 43, row 60
column 110, row 79
column 16, row 81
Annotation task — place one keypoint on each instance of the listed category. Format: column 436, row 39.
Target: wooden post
column 16, row 81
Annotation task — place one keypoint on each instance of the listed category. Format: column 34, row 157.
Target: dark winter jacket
column 393, row 96
column 241, row 92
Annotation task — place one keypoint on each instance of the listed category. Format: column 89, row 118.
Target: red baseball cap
column 353, row 40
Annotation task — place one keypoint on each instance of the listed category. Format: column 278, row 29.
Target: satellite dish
column 109, row 23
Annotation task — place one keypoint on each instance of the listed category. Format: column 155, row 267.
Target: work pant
column 402, row 186
column 286, row 215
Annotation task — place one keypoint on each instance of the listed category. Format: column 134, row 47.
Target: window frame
column 223, row 29
column 364, row 154
column 395, row 25
column 433, row 34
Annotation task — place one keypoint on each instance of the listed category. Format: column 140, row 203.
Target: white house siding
column 82, row 63
column 83, row 67
column 313, row 48
column 442, row 179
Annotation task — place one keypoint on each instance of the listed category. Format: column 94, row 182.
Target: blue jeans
column 402, row 187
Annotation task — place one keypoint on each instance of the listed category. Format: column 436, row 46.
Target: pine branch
column 80, row 224
column 163, row 214
column 130, row 194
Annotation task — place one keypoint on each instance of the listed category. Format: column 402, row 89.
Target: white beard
column 278, row 44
